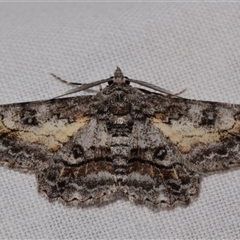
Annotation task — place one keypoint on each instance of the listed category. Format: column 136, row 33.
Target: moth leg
column 157, row 93
column 64, row 81
column 179, row 93
column 70, row 83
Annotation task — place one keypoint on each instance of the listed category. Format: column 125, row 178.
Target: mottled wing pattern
column 156, row 174
column 82, row 172
column 206, row 134
column 181, row 141
column 31, row 133
column 124, row 141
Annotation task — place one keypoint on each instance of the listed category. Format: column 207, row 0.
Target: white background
column 174, row 45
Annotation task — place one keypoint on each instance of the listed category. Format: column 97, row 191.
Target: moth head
column 118, row 73
column 118, row 77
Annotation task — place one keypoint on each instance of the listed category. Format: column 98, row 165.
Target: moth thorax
column 120, row 108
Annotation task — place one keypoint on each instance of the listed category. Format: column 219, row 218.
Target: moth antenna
column 84, row 87
column 179, row 93
column 64, row 81
column 152, row 86
column 117, row 74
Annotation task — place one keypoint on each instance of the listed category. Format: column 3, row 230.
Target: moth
column 152, row 148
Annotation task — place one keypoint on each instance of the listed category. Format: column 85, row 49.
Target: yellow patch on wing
column 236, row 128
column 174, row 174
column 186, row 136
column 51, row 134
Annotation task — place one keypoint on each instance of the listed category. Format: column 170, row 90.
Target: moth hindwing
column 152, row 148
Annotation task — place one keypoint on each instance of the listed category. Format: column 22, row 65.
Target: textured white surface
column 174, row 45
